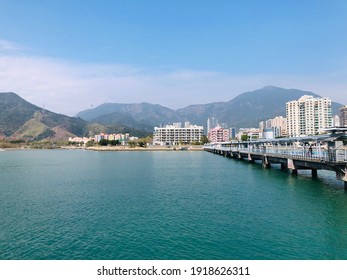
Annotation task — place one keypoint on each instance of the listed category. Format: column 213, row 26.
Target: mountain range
column 20, row 119
column 245, row 110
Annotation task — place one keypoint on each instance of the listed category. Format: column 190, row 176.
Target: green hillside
column 20, row 119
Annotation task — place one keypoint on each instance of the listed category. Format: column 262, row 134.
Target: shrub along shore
column 20, row 145
column 149, row 148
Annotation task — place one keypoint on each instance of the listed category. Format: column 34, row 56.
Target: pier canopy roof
column 323, row 138
column 335, row 135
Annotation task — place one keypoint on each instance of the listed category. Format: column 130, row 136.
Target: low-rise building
column 218, row 134
column 252, row 133
column 175, row 134
column 83, row 140
column 123, row 138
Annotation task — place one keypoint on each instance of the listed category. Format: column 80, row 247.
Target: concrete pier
column 328, row 152
column 294, row 172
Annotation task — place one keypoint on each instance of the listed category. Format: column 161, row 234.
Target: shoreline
column 149, row 149
column 114, row 148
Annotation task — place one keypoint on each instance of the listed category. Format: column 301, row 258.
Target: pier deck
column 327, row 152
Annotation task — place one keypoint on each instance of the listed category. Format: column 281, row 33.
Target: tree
column 142, row 143
column 244, row 137
column 132, row 144
column 90, row 143
column 204, row 140
column 103, row 142
column 114, row 142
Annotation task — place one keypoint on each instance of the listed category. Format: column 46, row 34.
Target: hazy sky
column 71, row 55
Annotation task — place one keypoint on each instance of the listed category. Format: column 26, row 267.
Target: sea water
column 76, row 204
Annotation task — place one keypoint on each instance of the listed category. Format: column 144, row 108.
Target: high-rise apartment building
column 262, row 125
column 336, row 121
column 308, row 116
column 232, row 132
column 343, row 116
column 212, row 122
column 277, row 125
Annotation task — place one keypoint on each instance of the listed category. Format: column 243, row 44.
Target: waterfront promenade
column 315, row 153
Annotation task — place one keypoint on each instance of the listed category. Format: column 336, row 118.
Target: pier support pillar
column 250, row 159
column 265, row 163
column 342, row 175
column 283, row 166
column 345, row 179
column 314, row 173
column 294, row 172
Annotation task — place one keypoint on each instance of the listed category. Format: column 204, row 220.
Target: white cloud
column 67, row 87
column 8, row 46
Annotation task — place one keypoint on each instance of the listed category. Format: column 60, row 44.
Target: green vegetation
column 204, row 140
column 29, row 144
column 11, row 145
column 141, row 142
column 105, row 142
column 90, row 144
column 22, row 120
column 42, row 145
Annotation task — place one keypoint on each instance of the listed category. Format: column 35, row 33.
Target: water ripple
column 89, row 205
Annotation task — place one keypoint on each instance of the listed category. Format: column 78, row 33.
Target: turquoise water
column 60, row 204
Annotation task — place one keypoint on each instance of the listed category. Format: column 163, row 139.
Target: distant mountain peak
column 19, row 118
column 245, row 110
column 9, row 93
column 271, row 87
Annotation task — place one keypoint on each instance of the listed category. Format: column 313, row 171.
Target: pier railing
column 314, row 154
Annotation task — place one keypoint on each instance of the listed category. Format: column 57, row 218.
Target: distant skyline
column 68, row 56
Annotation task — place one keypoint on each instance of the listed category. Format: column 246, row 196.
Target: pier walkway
column 328, row 151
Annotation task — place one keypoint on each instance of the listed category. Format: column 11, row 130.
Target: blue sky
column 71, row 55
